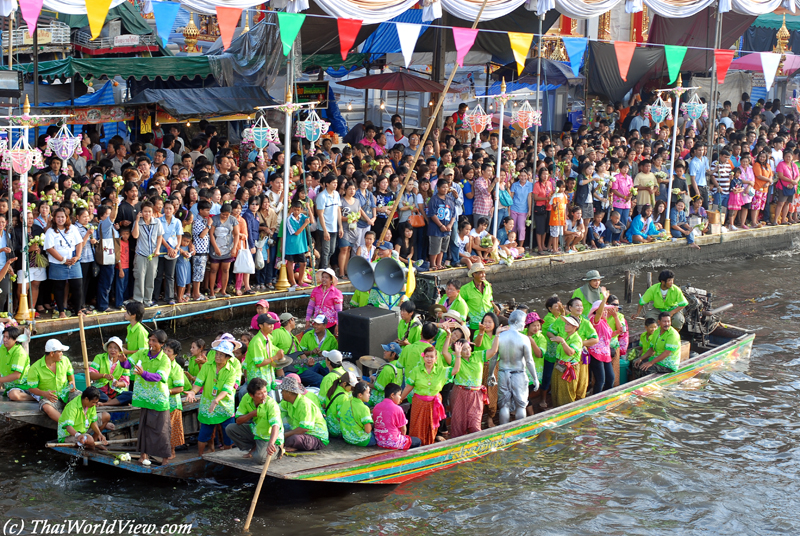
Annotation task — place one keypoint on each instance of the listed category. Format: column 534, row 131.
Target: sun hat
column 229, row 338
column 330, row 272
column 594, row 307
column 464, row 329
column 291, row 385
column 115, row 340
column 531, row 318
column 224, row 347
column 476, row 267
column 572, row 321
column 334, row 356
column 453, row 315
column 592, row 274
column 54, row 345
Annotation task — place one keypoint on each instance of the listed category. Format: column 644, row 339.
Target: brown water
column 716, row 455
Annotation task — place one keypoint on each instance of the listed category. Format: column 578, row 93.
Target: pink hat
column 531, row 318
column 263, row 303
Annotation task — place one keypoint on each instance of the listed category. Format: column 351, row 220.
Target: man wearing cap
column 391, row 372
column 314, row 342
column 262, row 307
column 307, row 428
column 283, row 337
column 258, row 429
column 665, row 297
column 51, row 380
column 591, row 291
column 262, row 354
column 478, row 295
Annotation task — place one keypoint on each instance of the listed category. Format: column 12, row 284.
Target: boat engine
column 701, row 318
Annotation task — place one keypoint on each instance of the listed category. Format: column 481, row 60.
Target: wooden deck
column 337, row 452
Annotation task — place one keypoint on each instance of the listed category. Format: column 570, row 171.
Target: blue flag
column 165, row 14
column 575, row 47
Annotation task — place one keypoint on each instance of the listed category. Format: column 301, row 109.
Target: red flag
column 624, row 52
column 723, row 59
column 228, row 20
column 348, row 31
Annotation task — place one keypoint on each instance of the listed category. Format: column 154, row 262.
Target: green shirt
column 304, row 413
column 667, row 341
column 471, row 372
column 151, row 395
column 550, row 350
column 331, row 411
column 246, row 405
column 267, row 416
column 259, row 350
column 14, row 360
column 41, row 377
column 414, row 333
column 479, row 303
column 137, row 337
column 327, row 381
column 353, row 415
column 674, row 298
column 285, row 340
column 585, row 330
column 645, row 341
column 486, row 343
column 213, row 383
column 575, row 342
column 541, row 341
column 429, row 384
column 75, row 416
column 194, row 368
column 389, row 373
column 458, row 305
column 411, row 355
column 175, row 380
column 102, row 364
column 309, row 342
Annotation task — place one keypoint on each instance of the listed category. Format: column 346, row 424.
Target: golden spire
column 190, row 35
column 503, row 86
column 246, row 23
column 680, row 80
column 26, row 108
column 783, row 37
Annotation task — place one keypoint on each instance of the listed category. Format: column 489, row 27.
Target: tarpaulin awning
column 776, row 21
column 205, row 102
column 138, row 68
column 604, row 76
column 325, row 61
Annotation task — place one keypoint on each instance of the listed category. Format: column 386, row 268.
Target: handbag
column 416, row 220
column 505, row 198
column 104, row 252
column 539, row 210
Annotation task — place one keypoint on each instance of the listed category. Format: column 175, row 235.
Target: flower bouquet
column 119, row 182
column 352, row 219
column 40, row 261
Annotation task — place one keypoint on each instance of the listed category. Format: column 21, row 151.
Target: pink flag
column 30, row 12
column 464, row 38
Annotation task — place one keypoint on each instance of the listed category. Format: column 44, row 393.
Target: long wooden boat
column 340, row 462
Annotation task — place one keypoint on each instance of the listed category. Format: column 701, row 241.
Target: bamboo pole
column 428, row 129
column 256, row 494
column 83, row 350
column 110, row 442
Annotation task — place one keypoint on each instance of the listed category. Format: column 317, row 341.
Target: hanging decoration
column 478, row 120
column 464, row 38
column 408, row 34
column 674, row 55
column 289, row 25
column 96, row 12
column 520, row 46
column 260, row 134
column 658, row 112
column 770, row 63
column 527, row 118
column 63, row 144
column 576, row 48
column 312, row 128
column 21, row 156
column 228, row 19
column 30, row 13
column 348, row 31
column 723, row 59
column 624, row 51
column 165, row 14
column 694, row 110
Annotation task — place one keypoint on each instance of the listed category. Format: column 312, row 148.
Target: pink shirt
column 622, row 184
column 388, row 418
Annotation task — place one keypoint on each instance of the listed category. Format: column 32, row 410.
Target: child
column 183, row 269
column 614, row 229
column 570, row 189
column 697, row 212
column 650, row 326
column 262, row 308
column 409, row 329
column 596, row 231
column 509, row 246
column 296, row 245
column 480, row 241
column 200, row 229
column 463, row 241
column 558, row 217
column 197, row 360
column 356, row 419
column 137, row 336
column 390, row 423
column 736, row 197
column 175, row 384
column 123, row 265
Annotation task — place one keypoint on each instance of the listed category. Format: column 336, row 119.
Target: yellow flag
column 97, row 11
column 520, row 45
column 411, row 280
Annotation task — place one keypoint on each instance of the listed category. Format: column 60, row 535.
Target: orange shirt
column 765, row 171
column 124, row 254
column 558, row 214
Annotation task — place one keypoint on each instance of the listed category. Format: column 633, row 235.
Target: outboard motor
column 701, row 318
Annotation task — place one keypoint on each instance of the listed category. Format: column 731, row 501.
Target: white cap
column 54, row 345
column 320, row 319
column 335, row 356
column 352, row 380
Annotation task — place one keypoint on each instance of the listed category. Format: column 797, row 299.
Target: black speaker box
column 363, row 330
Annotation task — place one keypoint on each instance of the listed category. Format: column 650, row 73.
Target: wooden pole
column 428, row 129
column 83, row 350
column 255, row 496
column 649, row 279
column 629, row 279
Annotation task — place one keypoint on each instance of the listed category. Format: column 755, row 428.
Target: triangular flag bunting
column 624, row 51
column 348, row 31
column 96, row 12
column 674, row 55
column 464, row 39
column 165, row 14
column 289, row 24
column 408, row 34
column 769, row 64
column 520, row 46
column 228, row 19
column 30, row 12
column 723, row 59
column 575, row 47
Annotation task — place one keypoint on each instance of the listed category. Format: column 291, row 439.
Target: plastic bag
column 244, row 262
column 259, row 260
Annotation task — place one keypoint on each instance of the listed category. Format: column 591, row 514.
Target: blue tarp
column 101, row 97
column 384, row 40
column 494, row 89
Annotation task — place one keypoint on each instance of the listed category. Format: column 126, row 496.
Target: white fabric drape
column 469, row 10
column 72, row 7
column 578, row 9
column 369, row 11
column 665, row 8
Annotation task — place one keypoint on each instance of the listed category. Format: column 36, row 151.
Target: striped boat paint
column 396, row 467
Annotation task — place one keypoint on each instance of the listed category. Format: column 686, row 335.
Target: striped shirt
column 722, row 174
column 148, row 237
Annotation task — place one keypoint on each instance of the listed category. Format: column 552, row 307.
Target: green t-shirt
column 41, row 377
column 414, row 333
column 137, row 337
column 309, row 342
column 267, row 416
column 389, row 373
column 327, row 381
column 151, row 395
column 304, row 413
column 479, row 303
column 550, row 350
column 74, row 415
column 411, row 355
column 575, row 342
column 486, row 343
column 429, row 384
column 458, row 305
column 102, row 364
column 259, row 350
column 645, row 341
column 285, row 340
column 353, row 415
column 246, row 405
column 585, row 330
column 667, row 341
column 540, row 339
column 332, row 411
column 175, row 380
column 194, row 367
column 471, row 372
column 213, row 383
column 587, row 305
column 14, row 360
column 674, row 298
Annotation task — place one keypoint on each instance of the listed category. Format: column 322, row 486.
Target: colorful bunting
column 575, row 46
column 289, row 25
column 165, row 14
column 30, row 12
column 769, row 64
column 464, row 39
column 348, row 31
column 408, row 34
column 723, row 59
column 520, row 46
column 228, row 19
column 97, row 11
column 675, row 55
column 624, row 51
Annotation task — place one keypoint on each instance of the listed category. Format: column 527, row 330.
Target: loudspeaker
column 362, row 331
column 390, row 276
column 359, row 270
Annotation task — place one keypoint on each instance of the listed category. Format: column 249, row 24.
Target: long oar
column 255, row 496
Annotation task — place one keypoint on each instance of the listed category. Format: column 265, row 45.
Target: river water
column 715, row 455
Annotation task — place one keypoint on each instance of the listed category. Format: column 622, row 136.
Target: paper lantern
column 21, row 156
column 63, row 144
column 312, row 128
column 527, row 118
column 478, row 120
column 694, row 110
column 658, row 112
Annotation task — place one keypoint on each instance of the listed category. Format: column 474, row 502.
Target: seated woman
column 337, row 394
column 14, row 366
column 109, row 376
column 680, row 227
column 356, row 418
column 642, row 228
column 575, row 230
column 80, row 416
column 483, row 243
column 306, row 427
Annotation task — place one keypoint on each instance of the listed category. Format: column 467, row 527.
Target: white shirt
column 777, row 157
column 330, row 205
column 64, row 242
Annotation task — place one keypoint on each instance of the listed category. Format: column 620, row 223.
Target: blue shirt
column 172, row 231
column 87, row 254
column 521, row 194
column 296, row 244
column 467, row 188
column 445, row 210
column 697, row 169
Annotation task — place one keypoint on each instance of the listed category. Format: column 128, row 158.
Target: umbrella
column 400, row 81
column 553, row 72
column 752, row 62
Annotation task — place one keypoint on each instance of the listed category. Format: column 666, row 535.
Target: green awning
column 324, row 61
column 131, row 20
column 776, row 21
column 138, row 68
